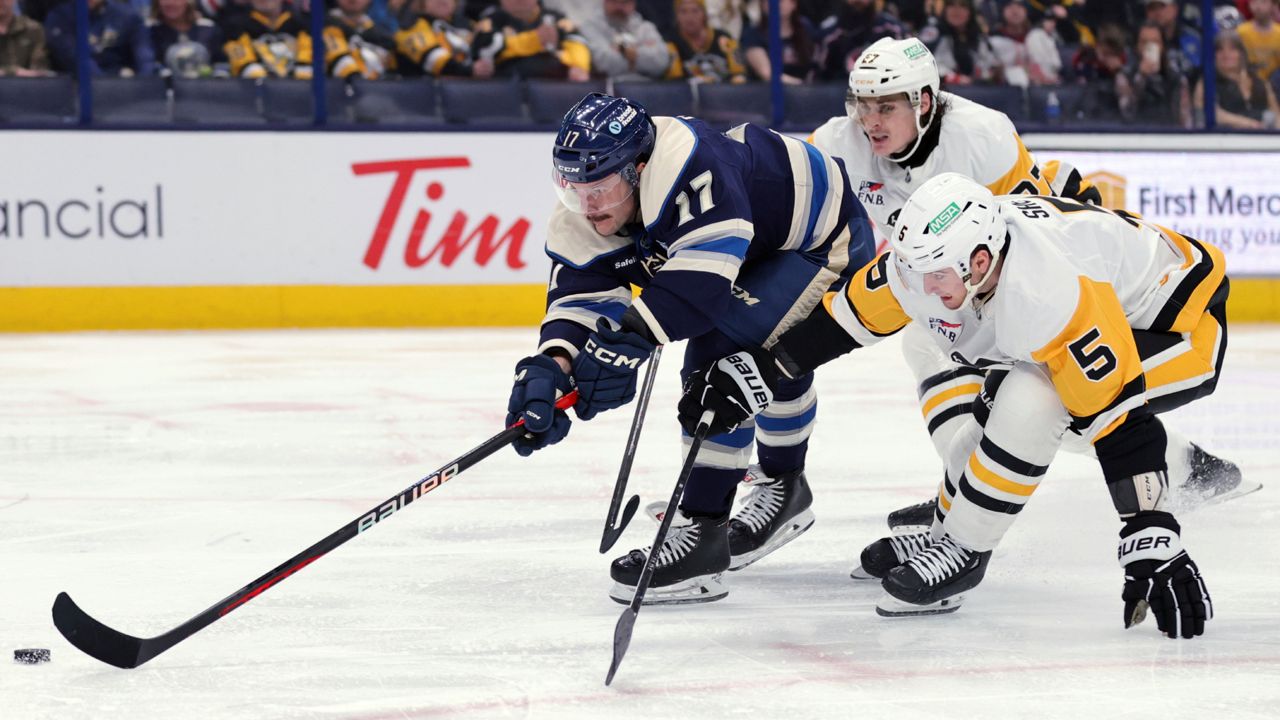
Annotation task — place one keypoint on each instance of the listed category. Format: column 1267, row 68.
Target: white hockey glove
column 733, row 387
column 1159, row 575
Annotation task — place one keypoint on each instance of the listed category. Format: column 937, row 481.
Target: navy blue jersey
column 712, row 205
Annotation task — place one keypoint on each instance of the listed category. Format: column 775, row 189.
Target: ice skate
column 689, row 566
column 776, row 512
column 938, row 573
column 887, row 553
column 913, row 518
column 1211, row 480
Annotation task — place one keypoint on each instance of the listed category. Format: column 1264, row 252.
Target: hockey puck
column 32, row 656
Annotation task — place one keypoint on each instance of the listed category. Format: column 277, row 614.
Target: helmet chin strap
column 920, row 131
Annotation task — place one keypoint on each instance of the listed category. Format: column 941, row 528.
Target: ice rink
column 152, row 474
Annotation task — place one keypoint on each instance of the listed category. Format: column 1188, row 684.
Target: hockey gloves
column 1159, row 575
column 606, row 368
column 539, row 382
column 733, row 388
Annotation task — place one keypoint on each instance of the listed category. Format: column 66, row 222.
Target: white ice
column 152, row 474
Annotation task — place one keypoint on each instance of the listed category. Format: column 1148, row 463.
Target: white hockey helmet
column 889, row 67
column 941, row 225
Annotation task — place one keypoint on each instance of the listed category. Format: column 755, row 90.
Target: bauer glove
column 539, row 383
column 606, row 368
column 1160, row 576
column 733, row 387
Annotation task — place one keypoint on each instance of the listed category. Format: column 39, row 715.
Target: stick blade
column 611, row 533
column 621, row 640
column 93, row 638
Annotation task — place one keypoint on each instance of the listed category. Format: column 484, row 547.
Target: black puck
column 32, row 656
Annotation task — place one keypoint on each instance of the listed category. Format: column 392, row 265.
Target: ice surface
column 152, row 474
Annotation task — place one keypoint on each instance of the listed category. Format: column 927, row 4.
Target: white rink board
column 150, row 474
column 1229, row 199
column 185, row 208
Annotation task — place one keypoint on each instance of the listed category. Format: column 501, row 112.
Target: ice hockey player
column 900, row 130
column 732, row 237
column 1102, row 320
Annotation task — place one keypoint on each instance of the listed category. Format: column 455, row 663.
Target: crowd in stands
column 1140, row 59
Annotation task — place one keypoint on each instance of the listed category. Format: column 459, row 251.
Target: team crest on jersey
column 869, row 192
column 948, row 330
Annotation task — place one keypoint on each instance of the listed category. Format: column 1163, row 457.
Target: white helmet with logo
column 889, row 67
column 941, row 225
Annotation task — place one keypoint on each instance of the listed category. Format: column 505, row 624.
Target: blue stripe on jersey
column 736, row 439
column 782, row 424
column 676, row 186
column 734, row 246
column 818, row 171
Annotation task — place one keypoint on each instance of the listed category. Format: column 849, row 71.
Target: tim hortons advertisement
column 152, row 209
column 1229, row 199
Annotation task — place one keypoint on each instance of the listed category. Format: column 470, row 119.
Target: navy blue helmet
column 602, row 135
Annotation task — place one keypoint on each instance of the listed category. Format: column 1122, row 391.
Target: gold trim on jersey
column 1024, row 178
column 1094, row 361
column 867, row 308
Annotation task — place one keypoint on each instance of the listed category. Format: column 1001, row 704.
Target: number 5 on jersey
column 1096, row 362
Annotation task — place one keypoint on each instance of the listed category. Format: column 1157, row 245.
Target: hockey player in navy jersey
column 733, row 237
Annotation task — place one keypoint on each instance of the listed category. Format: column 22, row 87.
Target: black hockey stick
column 612, row 533
column 125, row 651
column 627, row 621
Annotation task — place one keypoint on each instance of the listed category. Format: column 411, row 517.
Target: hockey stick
column 612, row 533
column 627, row 621
column 125, row 651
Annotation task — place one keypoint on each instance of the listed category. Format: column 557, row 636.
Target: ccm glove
column 1160, row 576
column 539, row 382
column 606, row 368
column 734, row 388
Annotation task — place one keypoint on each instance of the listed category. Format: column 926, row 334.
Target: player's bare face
column 889, row 122
column 947, row 285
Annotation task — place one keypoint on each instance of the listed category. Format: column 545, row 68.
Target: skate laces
column 764, row 502
column 939, row 561
column 906, row 547
column 679, row 541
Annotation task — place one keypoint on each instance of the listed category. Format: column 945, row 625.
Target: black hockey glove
column 539, row 383
column 606, row 368
column 1159, row 575
column 733, row 387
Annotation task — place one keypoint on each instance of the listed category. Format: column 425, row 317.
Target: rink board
column 123, row 230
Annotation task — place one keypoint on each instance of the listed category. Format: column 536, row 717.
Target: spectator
column 624, row 45
column 799, row 46
column 1149, row 90
column 1028, row 54
column 662, row 13
column 118, row 41
column 847, row 33
column 964, row 53
column 387, row 13
column 1181, row 42
column 524, row 40
column 22, row 49
column 1106, row 57
column 354, row 45
column 268, row 41
column 1261, row 37
column 732, row 16
column 186, row 44
column 432, row 45
column 1244, row 101
column 699, row 52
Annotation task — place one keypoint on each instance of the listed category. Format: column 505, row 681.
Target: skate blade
column 704, row 589
column 797, row 527
column 1188, row 504
column 889, row 606
column 859, row 574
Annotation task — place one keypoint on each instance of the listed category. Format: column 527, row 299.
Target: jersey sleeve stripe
column 802, row 198
column 712, row 263
column 819, row 174
column 736, row 228
column 659, row 333
column 659, row 182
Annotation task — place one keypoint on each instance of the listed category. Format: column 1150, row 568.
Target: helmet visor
column 866, row 108
column 944, row 283
column 593, row 197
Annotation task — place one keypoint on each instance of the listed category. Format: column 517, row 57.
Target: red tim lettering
column 456, row 239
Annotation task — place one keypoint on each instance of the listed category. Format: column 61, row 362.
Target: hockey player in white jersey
column 1101, row 319
column 900, row 130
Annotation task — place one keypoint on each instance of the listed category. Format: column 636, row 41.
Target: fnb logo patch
column 948, row 330
column 943, row 220
column 869, row 186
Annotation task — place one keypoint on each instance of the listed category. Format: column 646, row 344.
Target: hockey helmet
column 941, row 225
column 889, row 67
column 601, row 140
